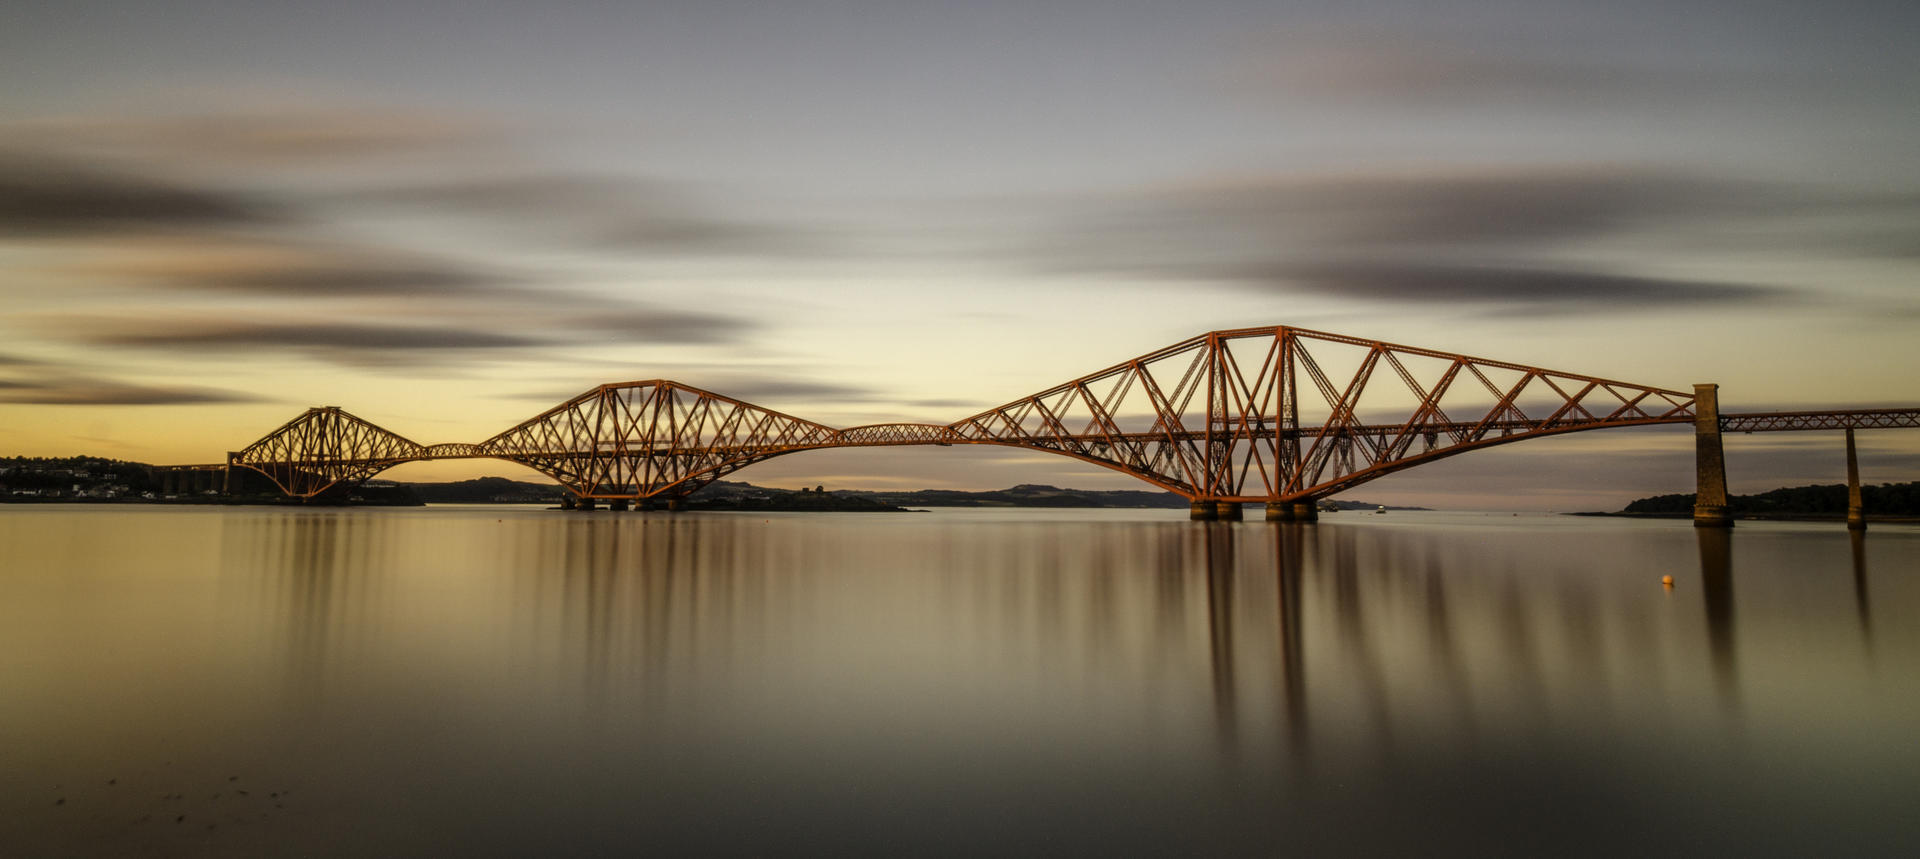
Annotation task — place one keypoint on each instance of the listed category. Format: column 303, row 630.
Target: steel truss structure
column 326, row 447
column 1849, row 419
column 1275, row 414
column 647, row 439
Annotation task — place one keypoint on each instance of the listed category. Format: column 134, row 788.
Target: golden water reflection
column 1117, row 679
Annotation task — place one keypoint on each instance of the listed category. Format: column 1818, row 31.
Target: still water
column 513, row 681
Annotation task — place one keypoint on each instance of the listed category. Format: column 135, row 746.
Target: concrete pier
column 1228, row 510
column 1202, row 510
column 644, row 505
column 675, row 505
column 1279, row 511
column 617, row 504
column 1856, row 512
column 583, row 504
column 1709, row 464
column 1306, row 511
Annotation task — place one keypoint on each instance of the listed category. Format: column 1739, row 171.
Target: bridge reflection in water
column 1435, row 666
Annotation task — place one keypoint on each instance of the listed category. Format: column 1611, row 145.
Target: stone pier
column 1202, row 510
column 1226, row 510
column 1279, row 511
column 1856, row 512
column 1306, row 511
column 1709, row 464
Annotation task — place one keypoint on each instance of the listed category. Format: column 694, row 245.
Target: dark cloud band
column 100, row 392
column 1521, row 291
column 44, row 197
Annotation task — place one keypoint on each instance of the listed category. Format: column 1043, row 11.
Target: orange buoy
column 1667, row 580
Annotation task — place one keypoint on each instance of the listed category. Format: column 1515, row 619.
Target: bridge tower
column 1709, row 462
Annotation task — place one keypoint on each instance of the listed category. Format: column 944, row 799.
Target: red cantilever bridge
column 1278, row 415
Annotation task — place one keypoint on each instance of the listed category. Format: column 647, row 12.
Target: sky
column 446, row 218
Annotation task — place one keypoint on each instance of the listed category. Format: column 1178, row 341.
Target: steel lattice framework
column 1286, row 414
column 325, row 447
column 1849, row 419
column 647, row 439
column 1273, row 414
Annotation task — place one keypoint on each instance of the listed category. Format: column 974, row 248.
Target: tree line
column 1886, row 499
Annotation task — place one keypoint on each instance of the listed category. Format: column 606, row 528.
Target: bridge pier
column 1279, row 511
column 1199, row 510
column 1228, row 510
column 1306, row 511
column 1709, row 463
column 1856, row 512
column 676, row 505
column 644, row 505
column 617, row 505
column 583, row 504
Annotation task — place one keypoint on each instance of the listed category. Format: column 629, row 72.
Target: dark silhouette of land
column 100, row 480
column 1824, row 501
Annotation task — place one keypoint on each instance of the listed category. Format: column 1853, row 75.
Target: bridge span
column 1275, row 415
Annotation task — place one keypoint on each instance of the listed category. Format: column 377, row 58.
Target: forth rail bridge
column 1276, row 415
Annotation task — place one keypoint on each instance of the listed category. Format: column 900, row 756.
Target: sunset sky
column 448, row 217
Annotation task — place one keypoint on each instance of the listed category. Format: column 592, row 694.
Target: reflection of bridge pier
column 1858, row 544
column 1221, row 568
column 1716, row 587
column 1288, row 559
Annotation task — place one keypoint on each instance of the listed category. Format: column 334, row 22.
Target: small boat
column 1380, row 509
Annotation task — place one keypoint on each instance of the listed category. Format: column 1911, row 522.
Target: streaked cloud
column 300, row 170
column 1597, row 64
column 1525, row 237
column 89, row 391
column 945, row 403
column 50, row 197
column 1402, row 68
column 1513, row 208
column 306, row 135
column 292, row 269
column 1506, row 291
column 634, row 325
column 295, row 335
column 600, row 213
column 360, row 341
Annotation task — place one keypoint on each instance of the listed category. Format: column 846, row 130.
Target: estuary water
column 515, row 681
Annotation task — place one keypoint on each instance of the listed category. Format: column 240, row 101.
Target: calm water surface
column 511, row 681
